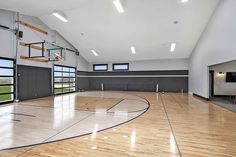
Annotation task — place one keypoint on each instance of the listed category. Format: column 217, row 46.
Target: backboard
column 44, row 51
column 55, row 52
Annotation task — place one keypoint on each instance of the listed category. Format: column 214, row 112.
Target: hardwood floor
column 84, row 103
column 175, row 125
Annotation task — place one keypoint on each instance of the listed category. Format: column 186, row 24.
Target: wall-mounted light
column 220, row 74
column 60, row 15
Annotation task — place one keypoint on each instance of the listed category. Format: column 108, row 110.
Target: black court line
column 34, row 145
column 115, row 104
column 86, row 110
column 173, row 133
column 16, row 120
column 130, row 111
column 44, row 141
column 22, row 114
column 6, row 114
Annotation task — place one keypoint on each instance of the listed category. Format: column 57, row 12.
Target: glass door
column 64, row 79
column 7, row 80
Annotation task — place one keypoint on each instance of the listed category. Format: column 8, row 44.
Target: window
column 121, row 67
column 7, row 80
column 100, row 67
column 64, row 79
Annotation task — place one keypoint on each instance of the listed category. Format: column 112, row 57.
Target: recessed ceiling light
column 60, row 15
column 173, row 46
column 118, row 6
column 184, row 1
column 94, row 52
column 133, row 49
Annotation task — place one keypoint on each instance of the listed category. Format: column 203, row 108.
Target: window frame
column 62, row 77
column 13, row 93
column 114, row 64
column 94, row 65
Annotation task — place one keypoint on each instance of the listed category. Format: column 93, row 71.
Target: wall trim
column 199, row 96
column 136, row 76
column 132, row 71
column 224, row 95
column 34, row 66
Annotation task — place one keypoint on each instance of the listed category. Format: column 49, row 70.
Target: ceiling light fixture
column 173, row 46
column 118, row 6
column 94, row 52
column 60, row 15
column 133, row 49
column 184, row 1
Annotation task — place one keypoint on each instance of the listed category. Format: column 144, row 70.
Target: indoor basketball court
column 117, row 78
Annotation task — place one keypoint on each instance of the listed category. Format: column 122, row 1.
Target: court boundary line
column 22, row 104
column 172, row 130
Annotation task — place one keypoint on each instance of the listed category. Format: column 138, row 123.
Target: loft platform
column 34, row 59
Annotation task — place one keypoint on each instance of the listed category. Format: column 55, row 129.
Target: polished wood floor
column 175, row 125
column 79, row 102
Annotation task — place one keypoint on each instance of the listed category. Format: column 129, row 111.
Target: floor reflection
column 65, row 116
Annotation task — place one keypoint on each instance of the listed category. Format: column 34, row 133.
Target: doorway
column 211, row 84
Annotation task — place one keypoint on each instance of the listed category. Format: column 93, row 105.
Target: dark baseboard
column 7, row 102
column 207, row 99
column 223, row 96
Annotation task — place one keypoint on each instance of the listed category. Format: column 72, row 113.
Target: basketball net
column 58, row 57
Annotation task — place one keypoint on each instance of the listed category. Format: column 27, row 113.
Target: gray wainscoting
column 168, row 81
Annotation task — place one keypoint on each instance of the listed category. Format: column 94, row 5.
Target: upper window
column 7, row 83
column 121, row 67
column 100, row 67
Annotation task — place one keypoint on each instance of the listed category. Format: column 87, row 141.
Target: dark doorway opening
column 211, row 84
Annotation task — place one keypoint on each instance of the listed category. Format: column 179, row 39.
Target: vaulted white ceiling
column 146, row 24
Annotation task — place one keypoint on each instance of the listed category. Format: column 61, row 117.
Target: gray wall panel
column 134, row 80
column 33, row 82
column 82, row 83
column 140, row 84
column 43, row 80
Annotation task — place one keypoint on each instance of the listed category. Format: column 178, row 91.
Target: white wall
column 33, row 36
column 82, row 64
column 217, row 45
column 221, row 87
column 8, row 43
column 152, row 65
column 52, row 36
column 71, row 59
column 7, row 38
